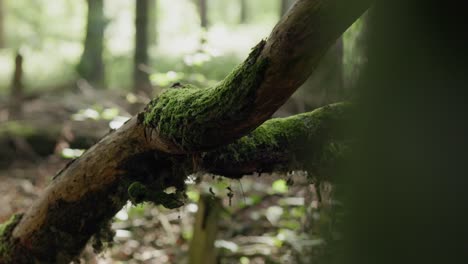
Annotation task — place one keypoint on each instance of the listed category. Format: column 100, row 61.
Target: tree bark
column 153, row 150
column 141, row 80
column 91, row 66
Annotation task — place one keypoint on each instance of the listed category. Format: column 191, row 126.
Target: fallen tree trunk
column 151, row 151
column 79, row 203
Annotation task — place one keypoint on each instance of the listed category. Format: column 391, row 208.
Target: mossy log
column 79, row 202
column 314, row 142
column 156, row 147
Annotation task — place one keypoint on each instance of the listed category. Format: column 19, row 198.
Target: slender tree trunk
column 202, row 246
column 91, row 66
column 153, row 22
column 244, row 9
column 141, row 80
column 16, row 102
column 2, row 25
column 203, row 9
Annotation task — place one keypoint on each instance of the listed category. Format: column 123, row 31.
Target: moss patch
column 306, row 141
column 192, row 117
column 9, row 248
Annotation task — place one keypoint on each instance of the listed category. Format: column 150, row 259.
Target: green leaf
column 279, row 186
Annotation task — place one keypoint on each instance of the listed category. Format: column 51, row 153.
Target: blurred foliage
column 50, row 33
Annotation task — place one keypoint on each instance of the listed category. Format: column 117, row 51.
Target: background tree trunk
column 16, row 102
column 141, row 80
column 2, row 24
column 203, row 9
column 91, row 66
column 244, row 11
column 153, row 22
column 202, row 246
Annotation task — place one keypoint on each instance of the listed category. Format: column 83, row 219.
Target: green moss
column 7, row 245
column 139, row 193
column 191, row 117
column 17, row 128
column 298, row 142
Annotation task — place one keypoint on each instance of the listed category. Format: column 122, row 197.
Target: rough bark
column 141, row 80
column 91, row 66
column 153, row 149
column 58, row 225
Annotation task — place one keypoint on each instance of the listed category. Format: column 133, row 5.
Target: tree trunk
column 91, row 66
column 203, row 9
column 16, row 102
column 244, row 9
column 157, row 148
column 153, row 22
column 141, row 80
column 202, row 246
column 407, row 184
column 2, row 25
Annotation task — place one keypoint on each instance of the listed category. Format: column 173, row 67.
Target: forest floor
column 257, row 224
column 262, row 223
